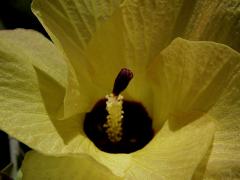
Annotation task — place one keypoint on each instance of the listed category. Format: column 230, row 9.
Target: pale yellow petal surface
column 190, row 77
column 33, row 44
column 71, row 25
column 97, row 63
column 152, row 25
column 140, row 31
column 213, row 20
column 47, row 61
column 26, row 59
column 174, row 154
column 29, row 99
column 197, row 77
column 39, row 167
column 148, row 27
column 107, row 53
column 224, row 159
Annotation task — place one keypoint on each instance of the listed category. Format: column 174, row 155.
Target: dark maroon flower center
column 136, row 125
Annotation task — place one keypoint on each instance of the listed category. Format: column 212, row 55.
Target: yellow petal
column 174, row 153
column 38, row 167
column 147, row 28
column 36, row 49
column 29, row 99
column 105, row 53
column 211, row 21
column 47, row 61
column 224, row 158
column 151, row 25
column 96, row 49
column 197, row 77
column 190, row 76
column 31, row 70
column 71, row 25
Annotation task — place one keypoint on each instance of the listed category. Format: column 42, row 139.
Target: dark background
column 18, row 14
column 15, row 14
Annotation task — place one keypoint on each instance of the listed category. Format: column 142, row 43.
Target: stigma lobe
column 122, row 80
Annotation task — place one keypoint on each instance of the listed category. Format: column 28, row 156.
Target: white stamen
column 113, row 124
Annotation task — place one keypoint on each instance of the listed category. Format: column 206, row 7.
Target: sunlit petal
column 28, row 62
column 202, row 77
column 174, row 153
column 190, row 77
column 71, row 25
column 30, row 99
column 38, row 167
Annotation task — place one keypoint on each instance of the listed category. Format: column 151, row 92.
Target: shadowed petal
column 224, row 158
column 152, row 24
column 214, row 20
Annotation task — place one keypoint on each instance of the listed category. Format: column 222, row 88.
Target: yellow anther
column 113, row 124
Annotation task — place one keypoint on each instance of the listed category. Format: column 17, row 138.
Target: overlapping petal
column 224, row 161
column 37, row 166
column 194, row 78
column 216, row 20
column 96, row 63
column 189, row 79
column 138, row 31
column 171, row 155
column 71, row 25
column 174, row 154
column 179, row 124
column 34, row 48
column 152, row 25
column 32, row 90
column 23, row 113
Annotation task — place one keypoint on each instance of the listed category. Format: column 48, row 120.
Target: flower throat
column 116, row 125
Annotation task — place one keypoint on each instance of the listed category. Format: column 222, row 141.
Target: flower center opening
column 116, row 125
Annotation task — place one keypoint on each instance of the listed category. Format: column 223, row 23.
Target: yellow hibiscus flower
column 190, row 89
